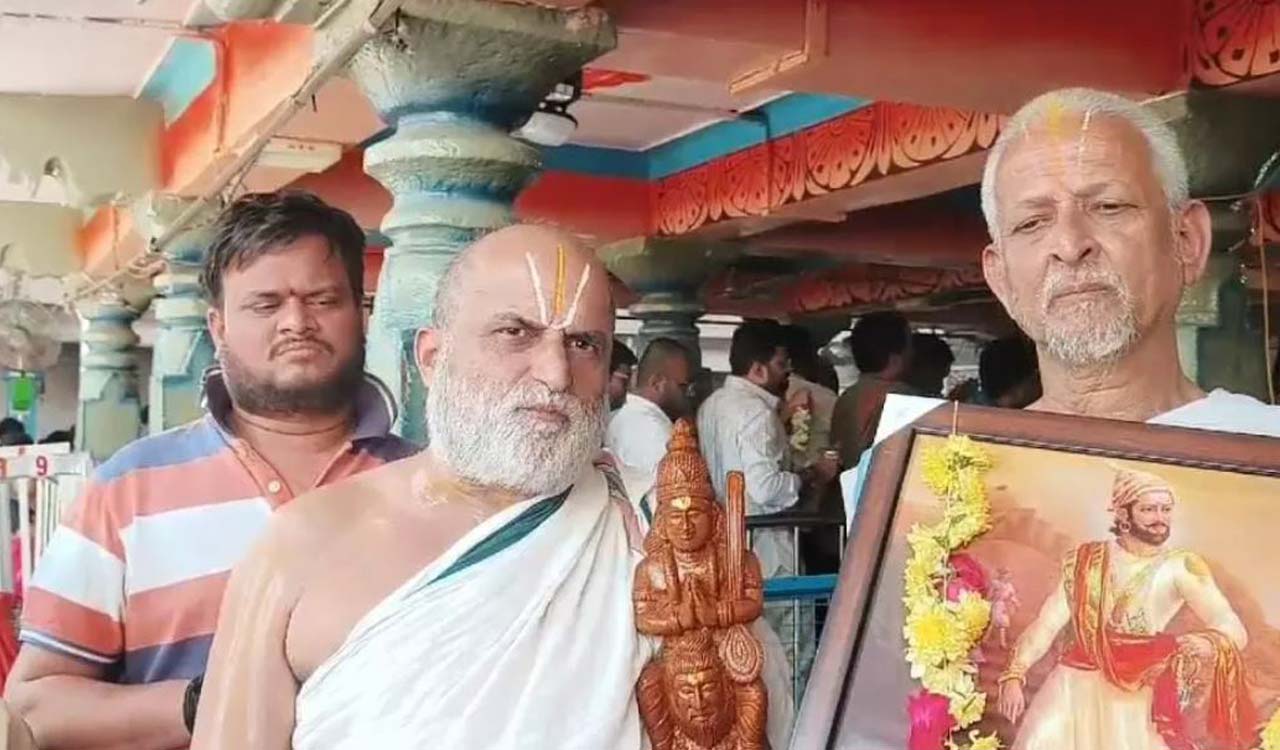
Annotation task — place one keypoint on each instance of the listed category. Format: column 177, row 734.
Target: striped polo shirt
column 134, row 576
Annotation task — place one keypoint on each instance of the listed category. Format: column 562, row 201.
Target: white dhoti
column 534, row 646
column 1080, row 710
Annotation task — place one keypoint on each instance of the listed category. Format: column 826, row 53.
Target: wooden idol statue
column 700, row 588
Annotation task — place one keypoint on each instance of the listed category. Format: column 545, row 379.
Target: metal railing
column 38, row 482
column 806, row 593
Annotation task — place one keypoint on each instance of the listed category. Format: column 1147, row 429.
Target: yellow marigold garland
column 1271, row 733
column 941, row 634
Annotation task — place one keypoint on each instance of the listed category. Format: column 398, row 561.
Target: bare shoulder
column 319, row 518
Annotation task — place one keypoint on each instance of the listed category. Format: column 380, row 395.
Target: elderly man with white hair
column 1094, row 237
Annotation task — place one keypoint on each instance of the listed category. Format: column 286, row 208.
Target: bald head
column 504, row 257
column 664, row 377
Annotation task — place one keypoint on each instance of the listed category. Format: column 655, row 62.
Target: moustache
column 281, row 347
column 1063, row 284
column 537, row 397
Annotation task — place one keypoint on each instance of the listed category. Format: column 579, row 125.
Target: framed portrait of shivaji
column 1033, row 581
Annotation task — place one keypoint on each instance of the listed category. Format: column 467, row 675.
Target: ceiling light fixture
column 551, row 124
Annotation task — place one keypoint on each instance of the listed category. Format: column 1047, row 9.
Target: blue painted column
column 109, row 413
column 671, row 314
column 453, row 78
column 183, row 348
column 668, row 274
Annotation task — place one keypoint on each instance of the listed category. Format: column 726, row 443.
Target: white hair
column 1166, row 155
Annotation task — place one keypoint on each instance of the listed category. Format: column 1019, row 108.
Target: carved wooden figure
column 699, row 588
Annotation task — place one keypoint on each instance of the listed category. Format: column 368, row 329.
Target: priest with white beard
column 477, row 595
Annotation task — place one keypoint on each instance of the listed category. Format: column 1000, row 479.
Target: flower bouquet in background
column 801, row 419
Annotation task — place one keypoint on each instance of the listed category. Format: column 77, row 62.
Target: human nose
column 1075, row 241
column 295, row 317
column 550, row 363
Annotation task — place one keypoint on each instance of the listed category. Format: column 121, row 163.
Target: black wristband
column 190, row 701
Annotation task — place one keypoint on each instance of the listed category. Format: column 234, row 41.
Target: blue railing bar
column 799, row 587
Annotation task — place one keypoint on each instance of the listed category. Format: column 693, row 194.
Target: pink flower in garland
column 967, row 574
column 931, row 721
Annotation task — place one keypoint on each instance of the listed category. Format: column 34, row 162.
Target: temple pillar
column 1218, row 344
column 109, row 413
column 670, row 314
column 668, row 274
column 183, row 348
column 454, row 78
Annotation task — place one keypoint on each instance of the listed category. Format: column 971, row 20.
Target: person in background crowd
column 881, row 346
column 807, row 374
column 741, row 428
column 60, row 436
column 930, row 365
column 9, row 428
column 1008, row 375
column 121, row 610
column 639, row 431
column 621, row 363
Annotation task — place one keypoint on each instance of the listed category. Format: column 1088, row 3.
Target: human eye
column 512, row 331
column 1029, row 224
column 1111, row 207
column 584, row 344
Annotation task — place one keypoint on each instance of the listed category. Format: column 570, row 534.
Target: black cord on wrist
column 190, row 701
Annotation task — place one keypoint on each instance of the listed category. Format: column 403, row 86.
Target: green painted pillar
column 183, row 348
column 1218, row 343
column 108, row 415
column 454, row 78
column 668, row 274
column 670, row 314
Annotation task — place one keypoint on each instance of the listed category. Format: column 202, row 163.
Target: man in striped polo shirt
column 121, row 610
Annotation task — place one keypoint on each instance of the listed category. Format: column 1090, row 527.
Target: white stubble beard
column 476, row 428
column 1088, row 332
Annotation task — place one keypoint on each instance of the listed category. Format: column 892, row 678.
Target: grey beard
column 1088, row 334
column 476, row 428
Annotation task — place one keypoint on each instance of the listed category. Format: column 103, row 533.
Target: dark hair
column 259, row 224
column 622, row 356
column 755, row 342
column 11, row 425
column 931, row 356
column 876, row 337
column 1004, row 363
column 15, row 438
column 657, row 354
column 59, row 436
column 805, row 359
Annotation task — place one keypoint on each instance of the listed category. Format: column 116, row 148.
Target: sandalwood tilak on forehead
column 547, row 317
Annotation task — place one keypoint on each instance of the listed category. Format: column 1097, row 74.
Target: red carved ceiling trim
column 880, row 139
column 862, row 286
column 839, row 289
column 1233, row 41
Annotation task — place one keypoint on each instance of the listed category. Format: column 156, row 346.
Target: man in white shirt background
column 811, row 374
column 740, row 428
column 621, row 362
column 639, row 431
